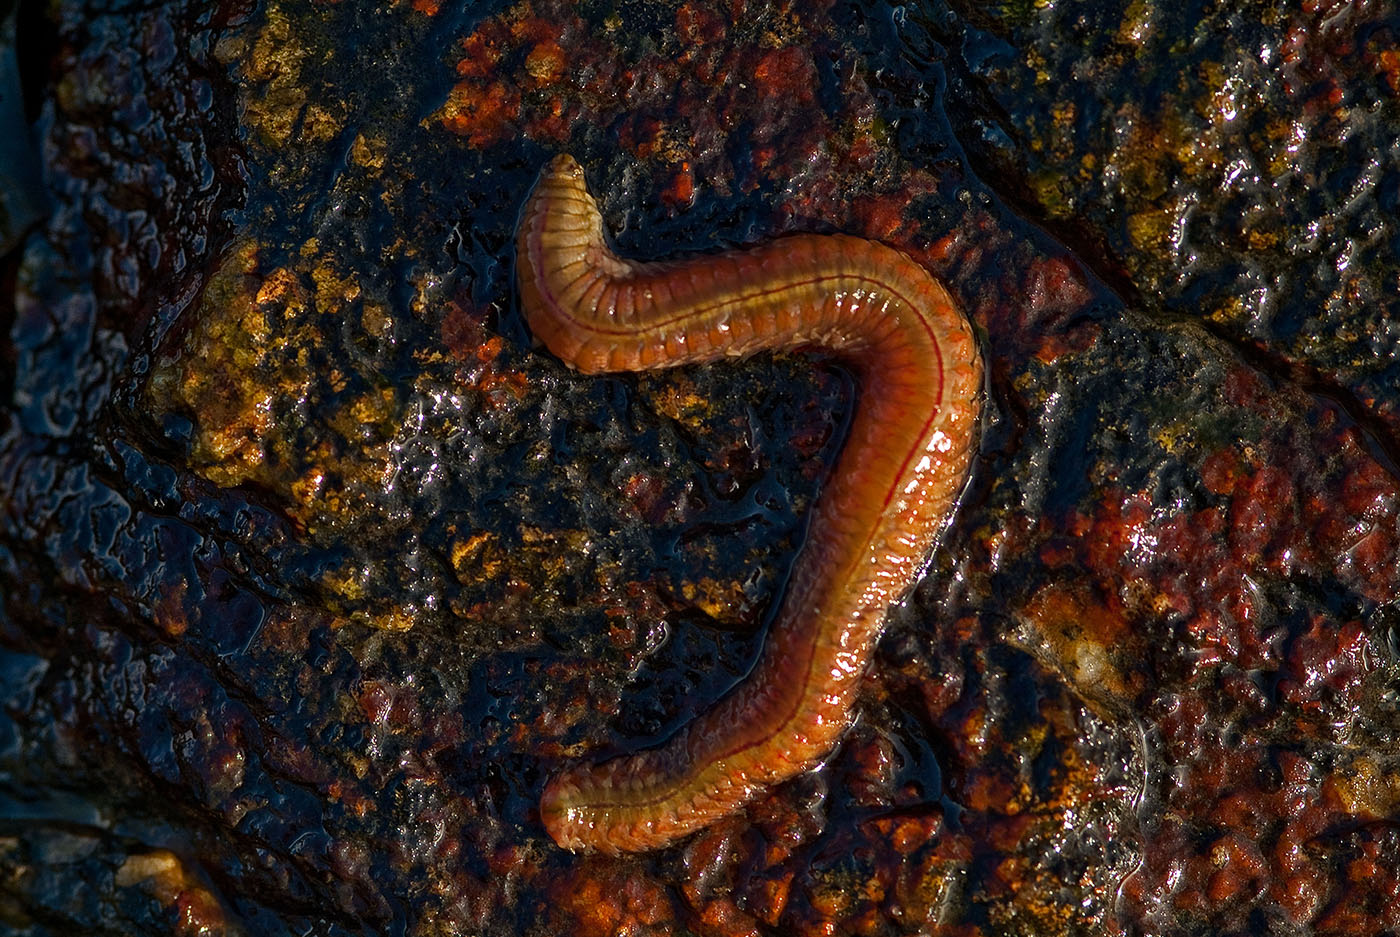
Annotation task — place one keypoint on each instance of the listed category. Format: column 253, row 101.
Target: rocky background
column 312, row 568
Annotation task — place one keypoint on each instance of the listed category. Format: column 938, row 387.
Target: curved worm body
column 896, row 482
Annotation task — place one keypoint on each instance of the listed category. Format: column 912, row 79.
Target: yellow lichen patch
column 1138, row 24
column 717, row 599
column 276, row 52
column 369, row 152
column 346, row 581
column 369, row 415
column 273, row 64
column 220, row 377
column 309, row 485
column 1063, row 113
column 251, row 377
column 161, row 874
column 840, row 892
column 1366, row 789
column 1199, row 157
column 390, row 619
column 377, row 320
column 1050, row 192
column 1390, row 65
column 1036, row 905
column 276, row 103
column 550, row 551
column 676, row 397
column 929, row 889
column 1287, row 138
column 281, row 288
column 321, row 123
column 478, row 558
column 333, row 289
column 1176, row 437
column 533, row 560
column 1259, row 240
column 1233, row 310
column 1150, row 229
column 343, row 491
column 1146, row 155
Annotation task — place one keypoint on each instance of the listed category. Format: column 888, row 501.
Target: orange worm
column 894, row 486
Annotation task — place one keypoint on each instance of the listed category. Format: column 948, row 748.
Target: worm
column 896, row 482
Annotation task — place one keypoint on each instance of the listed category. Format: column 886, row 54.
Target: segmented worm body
column 896, row 481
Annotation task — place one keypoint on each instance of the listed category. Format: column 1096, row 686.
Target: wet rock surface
column 312, row 569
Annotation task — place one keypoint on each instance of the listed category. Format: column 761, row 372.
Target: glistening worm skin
column 895, row 484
